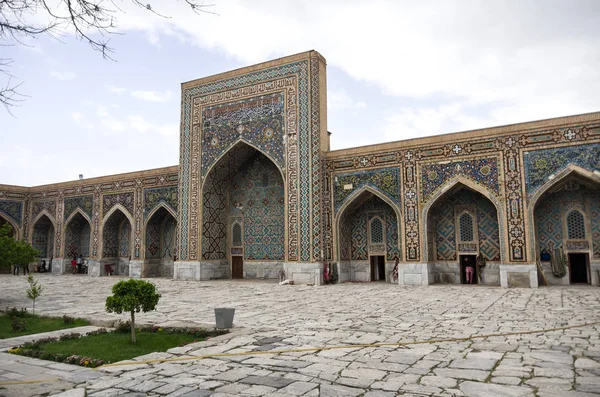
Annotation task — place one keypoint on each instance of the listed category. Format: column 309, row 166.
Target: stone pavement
column 563, row 363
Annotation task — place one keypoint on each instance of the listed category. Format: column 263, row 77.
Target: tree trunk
column 133, row 327
column 33, row 307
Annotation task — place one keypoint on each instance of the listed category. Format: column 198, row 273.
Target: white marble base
column 517, row 275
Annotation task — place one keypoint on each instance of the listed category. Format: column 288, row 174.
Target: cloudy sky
column 395, row 70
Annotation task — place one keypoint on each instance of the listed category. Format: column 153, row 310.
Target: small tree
column 34, row 291
column 7, row 243
column 132, row 296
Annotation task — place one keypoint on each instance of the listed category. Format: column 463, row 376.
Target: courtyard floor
column 270, row 317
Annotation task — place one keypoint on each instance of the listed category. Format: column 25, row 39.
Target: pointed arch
column 554, row 179
column 42, row 213
column 571, row 170
column 229, row 149
column 348, row 202
column 78, row 210
column 12, row 223
column 156, row 208
column 113, row 210
column 67, row 242
column 453, row 185
column 45, row 213
column 109, row 214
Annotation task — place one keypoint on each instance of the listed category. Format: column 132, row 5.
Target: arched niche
column 160, row 242
column 77, row 235
column 246, row 186
column 117, row 239
column 463, row 221
column 367, row 236
column 565, row 217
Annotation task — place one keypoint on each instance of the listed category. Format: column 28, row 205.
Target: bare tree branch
column 92, row 21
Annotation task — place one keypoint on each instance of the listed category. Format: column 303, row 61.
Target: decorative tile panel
column 155, row 196
column 483, row 172
column 12, row 209
column 110, row 200
column 540, row 164
column 85, row 203
column 39, row 206
column 386, row 180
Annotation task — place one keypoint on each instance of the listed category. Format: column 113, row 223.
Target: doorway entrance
column 578, row 268
column 237, row 267
column 468, row 261
column 377, row 268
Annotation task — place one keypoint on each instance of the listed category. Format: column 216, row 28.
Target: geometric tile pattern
column 258, row 187
column 85, row 203
column 110, row 200
column 300, row 126
column 256, row 120
column 481, row 171
column 169, row 238
column 548, row 219
column 39, row 206
column 552, row 212
column 160, row 231
column 124, row 238
column 443, row 214
column 356, row 220
column 539, row 164
column 154, row 196
column 77, row 237
column 43, row 236
column 214, row 201
column 387, row 180
column 594, row 203
column 12, row 209
column 116, row 236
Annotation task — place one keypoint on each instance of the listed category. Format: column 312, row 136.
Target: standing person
column 395, row 272
column 74, row 265
column 79, row 263
column 469, row 269
column 50, row 265
column 15, row 270
column 25, row 269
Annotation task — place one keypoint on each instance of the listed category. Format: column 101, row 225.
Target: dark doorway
column 378, row 268
column 578, row 266
column 468, row 261
column 237, row 267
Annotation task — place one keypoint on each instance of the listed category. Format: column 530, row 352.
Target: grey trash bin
column 224, row 317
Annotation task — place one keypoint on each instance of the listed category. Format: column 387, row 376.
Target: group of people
column 77, row 264
column 41, row 268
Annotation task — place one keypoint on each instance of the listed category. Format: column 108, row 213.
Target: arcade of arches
column 259, row 194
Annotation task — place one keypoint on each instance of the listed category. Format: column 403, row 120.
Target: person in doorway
column 74, row 265
column 469, row 269
column 79, row 263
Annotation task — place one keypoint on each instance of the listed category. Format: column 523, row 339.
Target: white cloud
column 77, row 116
column 116, row 90
column 153, row 96
column 497, row 59
column 113, row 125
column 63, row 76
column 138, row 123
column 339, row 99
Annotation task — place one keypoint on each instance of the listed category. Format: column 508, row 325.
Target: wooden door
column 237, row 267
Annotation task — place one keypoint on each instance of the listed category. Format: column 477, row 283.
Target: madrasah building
column 258, row 192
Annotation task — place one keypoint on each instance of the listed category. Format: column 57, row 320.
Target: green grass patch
column 34, row 324
column 101, row 347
